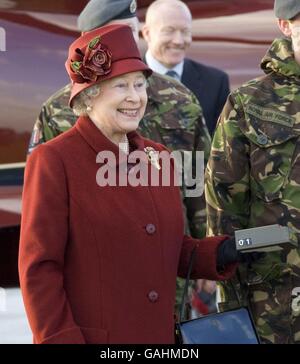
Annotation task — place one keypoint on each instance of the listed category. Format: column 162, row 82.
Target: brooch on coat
column 152, row 156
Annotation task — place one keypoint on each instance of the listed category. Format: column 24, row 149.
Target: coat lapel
column 99, row 142
column 191, row 78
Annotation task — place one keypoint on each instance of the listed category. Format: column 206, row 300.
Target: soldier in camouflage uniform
column 253, row 179
column 173, row 116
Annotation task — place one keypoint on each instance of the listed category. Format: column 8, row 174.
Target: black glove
column 227, row 254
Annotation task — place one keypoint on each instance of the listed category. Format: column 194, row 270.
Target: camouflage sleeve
column 55, row 117
column 196, row 206
column 227, row 174
column 41, row 130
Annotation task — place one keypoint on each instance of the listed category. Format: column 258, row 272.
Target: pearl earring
column 89, row 108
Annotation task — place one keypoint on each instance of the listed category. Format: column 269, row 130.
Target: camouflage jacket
column 173, row 117
column 253, row 175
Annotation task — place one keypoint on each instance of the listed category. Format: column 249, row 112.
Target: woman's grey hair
column 82, row 101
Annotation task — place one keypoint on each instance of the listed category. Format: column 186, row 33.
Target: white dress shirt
column 156, row 66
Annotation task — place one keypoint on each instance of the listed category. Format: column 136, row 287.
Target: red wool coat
column 99, row 264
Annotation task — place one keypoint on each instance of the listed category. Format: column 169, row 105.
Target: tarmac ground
column 14, row 327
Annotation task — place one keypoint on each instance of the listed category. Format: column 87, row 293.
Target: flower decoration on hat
column 88, row 65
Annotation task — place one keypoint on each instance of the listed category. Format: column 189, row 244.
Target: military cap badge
column 133, row 6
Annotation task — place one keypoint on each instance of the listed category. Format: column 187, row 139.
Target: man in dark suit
column 167, row 31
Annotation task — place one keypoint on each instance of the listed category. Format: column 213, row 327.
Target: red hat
column 102, row 54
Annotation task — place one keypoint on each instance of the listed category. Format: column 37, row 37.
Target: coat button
column 262, row 139
column 150, row 228
column 153, row 296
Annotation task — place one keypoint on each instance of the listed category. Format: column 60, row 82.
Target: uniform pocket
column 272, row 146
column 176, row 138
column 171, row 127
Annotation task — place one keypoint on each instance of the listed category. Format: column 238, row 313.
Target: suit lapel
column 191, row 78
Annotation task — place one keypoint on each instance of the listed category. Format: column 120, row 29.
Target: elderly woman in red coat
column 98, row 262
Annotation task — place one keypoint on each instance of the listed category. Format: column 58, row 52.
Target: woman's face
column 120, row 105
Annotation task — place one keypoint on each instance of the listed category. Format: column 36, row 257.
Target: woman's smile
column 129, row 112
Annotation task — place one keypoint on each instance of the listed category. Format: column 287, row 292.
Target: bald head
column 159, row 7
column 167, row 31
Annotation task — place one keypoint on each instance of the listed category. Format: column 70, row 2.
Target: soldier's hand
column 251, row 257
